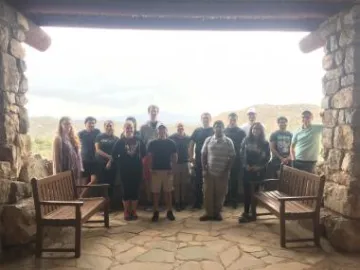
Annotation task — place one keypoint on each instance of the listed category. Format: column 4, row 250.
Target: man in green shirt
column 306, row 144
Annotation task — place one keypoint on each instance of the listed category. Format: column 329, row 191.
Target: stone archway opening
column 341, row 137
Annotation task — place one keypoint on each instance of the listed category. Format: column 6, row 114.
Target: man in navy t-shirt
column 162, row 157
column 87, row 141
column 197, row 141
column 182, row 168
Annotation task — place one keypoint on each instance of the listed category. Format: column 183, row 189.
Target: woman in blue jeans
column 255, row 155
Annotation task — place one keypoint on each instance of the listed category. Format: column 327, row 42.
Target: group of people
column 220, row 156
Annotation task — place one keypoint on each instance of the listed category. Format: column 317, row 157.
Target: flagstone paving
column 188, row 244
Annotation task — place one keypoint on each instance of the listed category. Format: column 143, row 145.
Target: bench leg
column 78, row 239
column 39, row 241
column 106, row 214
column 282, row 232
column 316, row 227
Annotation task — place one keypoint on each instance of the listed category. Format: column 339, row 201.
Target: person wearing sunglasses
column 104, row 144
column 305, row 146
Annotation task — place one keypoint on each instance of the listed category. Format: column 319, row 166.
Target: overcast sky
column 120, row 72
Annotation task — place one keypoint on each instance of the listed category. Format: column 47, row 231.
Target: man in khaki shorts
column 162, row 157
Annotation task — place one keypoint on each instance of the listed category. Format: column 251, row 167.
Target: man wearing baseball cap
column 162, row 158
column 251, row 113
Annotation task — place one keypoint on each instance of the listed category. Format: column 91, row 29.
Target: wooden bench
column 298, row 195
column 57, row 204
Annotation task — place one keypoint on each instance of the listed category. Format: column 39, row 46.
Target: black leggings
column 131, row 185
column 248, row 177
column 107, row 176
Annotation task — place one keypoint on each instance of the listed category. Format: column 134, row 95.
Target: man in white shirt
column 251, row 113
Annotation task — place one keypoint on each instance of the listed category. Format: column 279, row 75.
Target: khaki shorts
column 161, row 179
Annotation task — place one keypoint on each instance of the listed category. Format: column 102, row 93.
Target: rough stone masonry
column 17, row 223
column 341, row 136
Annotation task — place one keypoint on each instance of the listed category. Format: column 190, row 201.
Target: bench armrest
column 297, row 198
column 263, row 181
column 93, row 186
column 62, row 203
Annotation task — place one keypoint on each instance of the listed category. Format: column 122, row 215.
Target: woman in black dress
column 128, row 153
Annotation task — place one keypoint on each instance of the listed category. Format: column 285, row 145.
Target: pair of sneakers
column 169, row 215
column 180, row 206
column 246, row 217
column 130, row 215
column 217, row 217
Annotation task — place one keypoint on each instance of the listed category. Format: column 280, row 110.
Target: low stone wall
column 17, row 212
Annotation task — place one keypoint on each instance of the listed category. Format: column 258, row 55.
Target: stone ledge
column 14, row 191
column 342, row 233
column 18, row 223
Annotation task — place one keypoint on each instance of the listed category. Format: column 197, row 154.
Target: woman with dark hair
column 104, row 144
column 255, row 155
column 136, row 132
column 66, row 150
column 128, row 153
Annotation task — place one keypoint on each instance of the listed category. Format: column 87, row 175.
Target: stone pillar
column 14, row 141
column 13, row 87
column 341, row 136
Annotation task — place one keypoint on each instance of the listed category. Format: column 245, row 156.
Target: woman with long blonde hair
column 128, row 153
column 66, row 150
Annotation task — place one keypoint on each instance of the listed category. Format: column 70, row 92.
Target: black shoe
column 245, row 218
column 178, row 207
column 133, row 215
column 170, row 216
column 218, row 217
column 183, row 206
column 234, row 204
column 155, row 216
column 205, row 218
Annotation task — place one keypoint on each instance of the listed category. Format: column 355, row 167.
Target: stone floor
column 187, row 244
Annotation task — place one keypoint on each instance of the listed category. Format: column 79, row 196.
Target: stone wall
column 341, row 136
column 17, row 166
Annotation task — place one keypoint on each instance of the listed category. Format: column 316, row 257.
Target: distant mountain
column 166, row 117
column 267, row 114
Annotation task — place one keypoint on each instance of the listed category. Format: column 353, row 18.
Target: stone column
column 341, row 136
column 14, row 141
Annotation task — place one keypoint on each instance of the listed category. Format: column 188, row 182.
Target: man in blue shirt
column 305, row 145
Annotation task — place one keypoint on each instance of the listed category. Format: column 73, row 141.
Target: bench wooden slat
column 271, row 198
column 57, row 204
column 301, row 192
column 68, row 212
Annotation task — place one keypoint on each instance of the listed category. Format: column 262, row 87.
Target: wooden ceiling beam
column 251, row 9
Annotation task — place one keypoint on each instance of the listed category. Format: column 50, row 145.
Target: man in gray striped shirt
column 217, row 156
